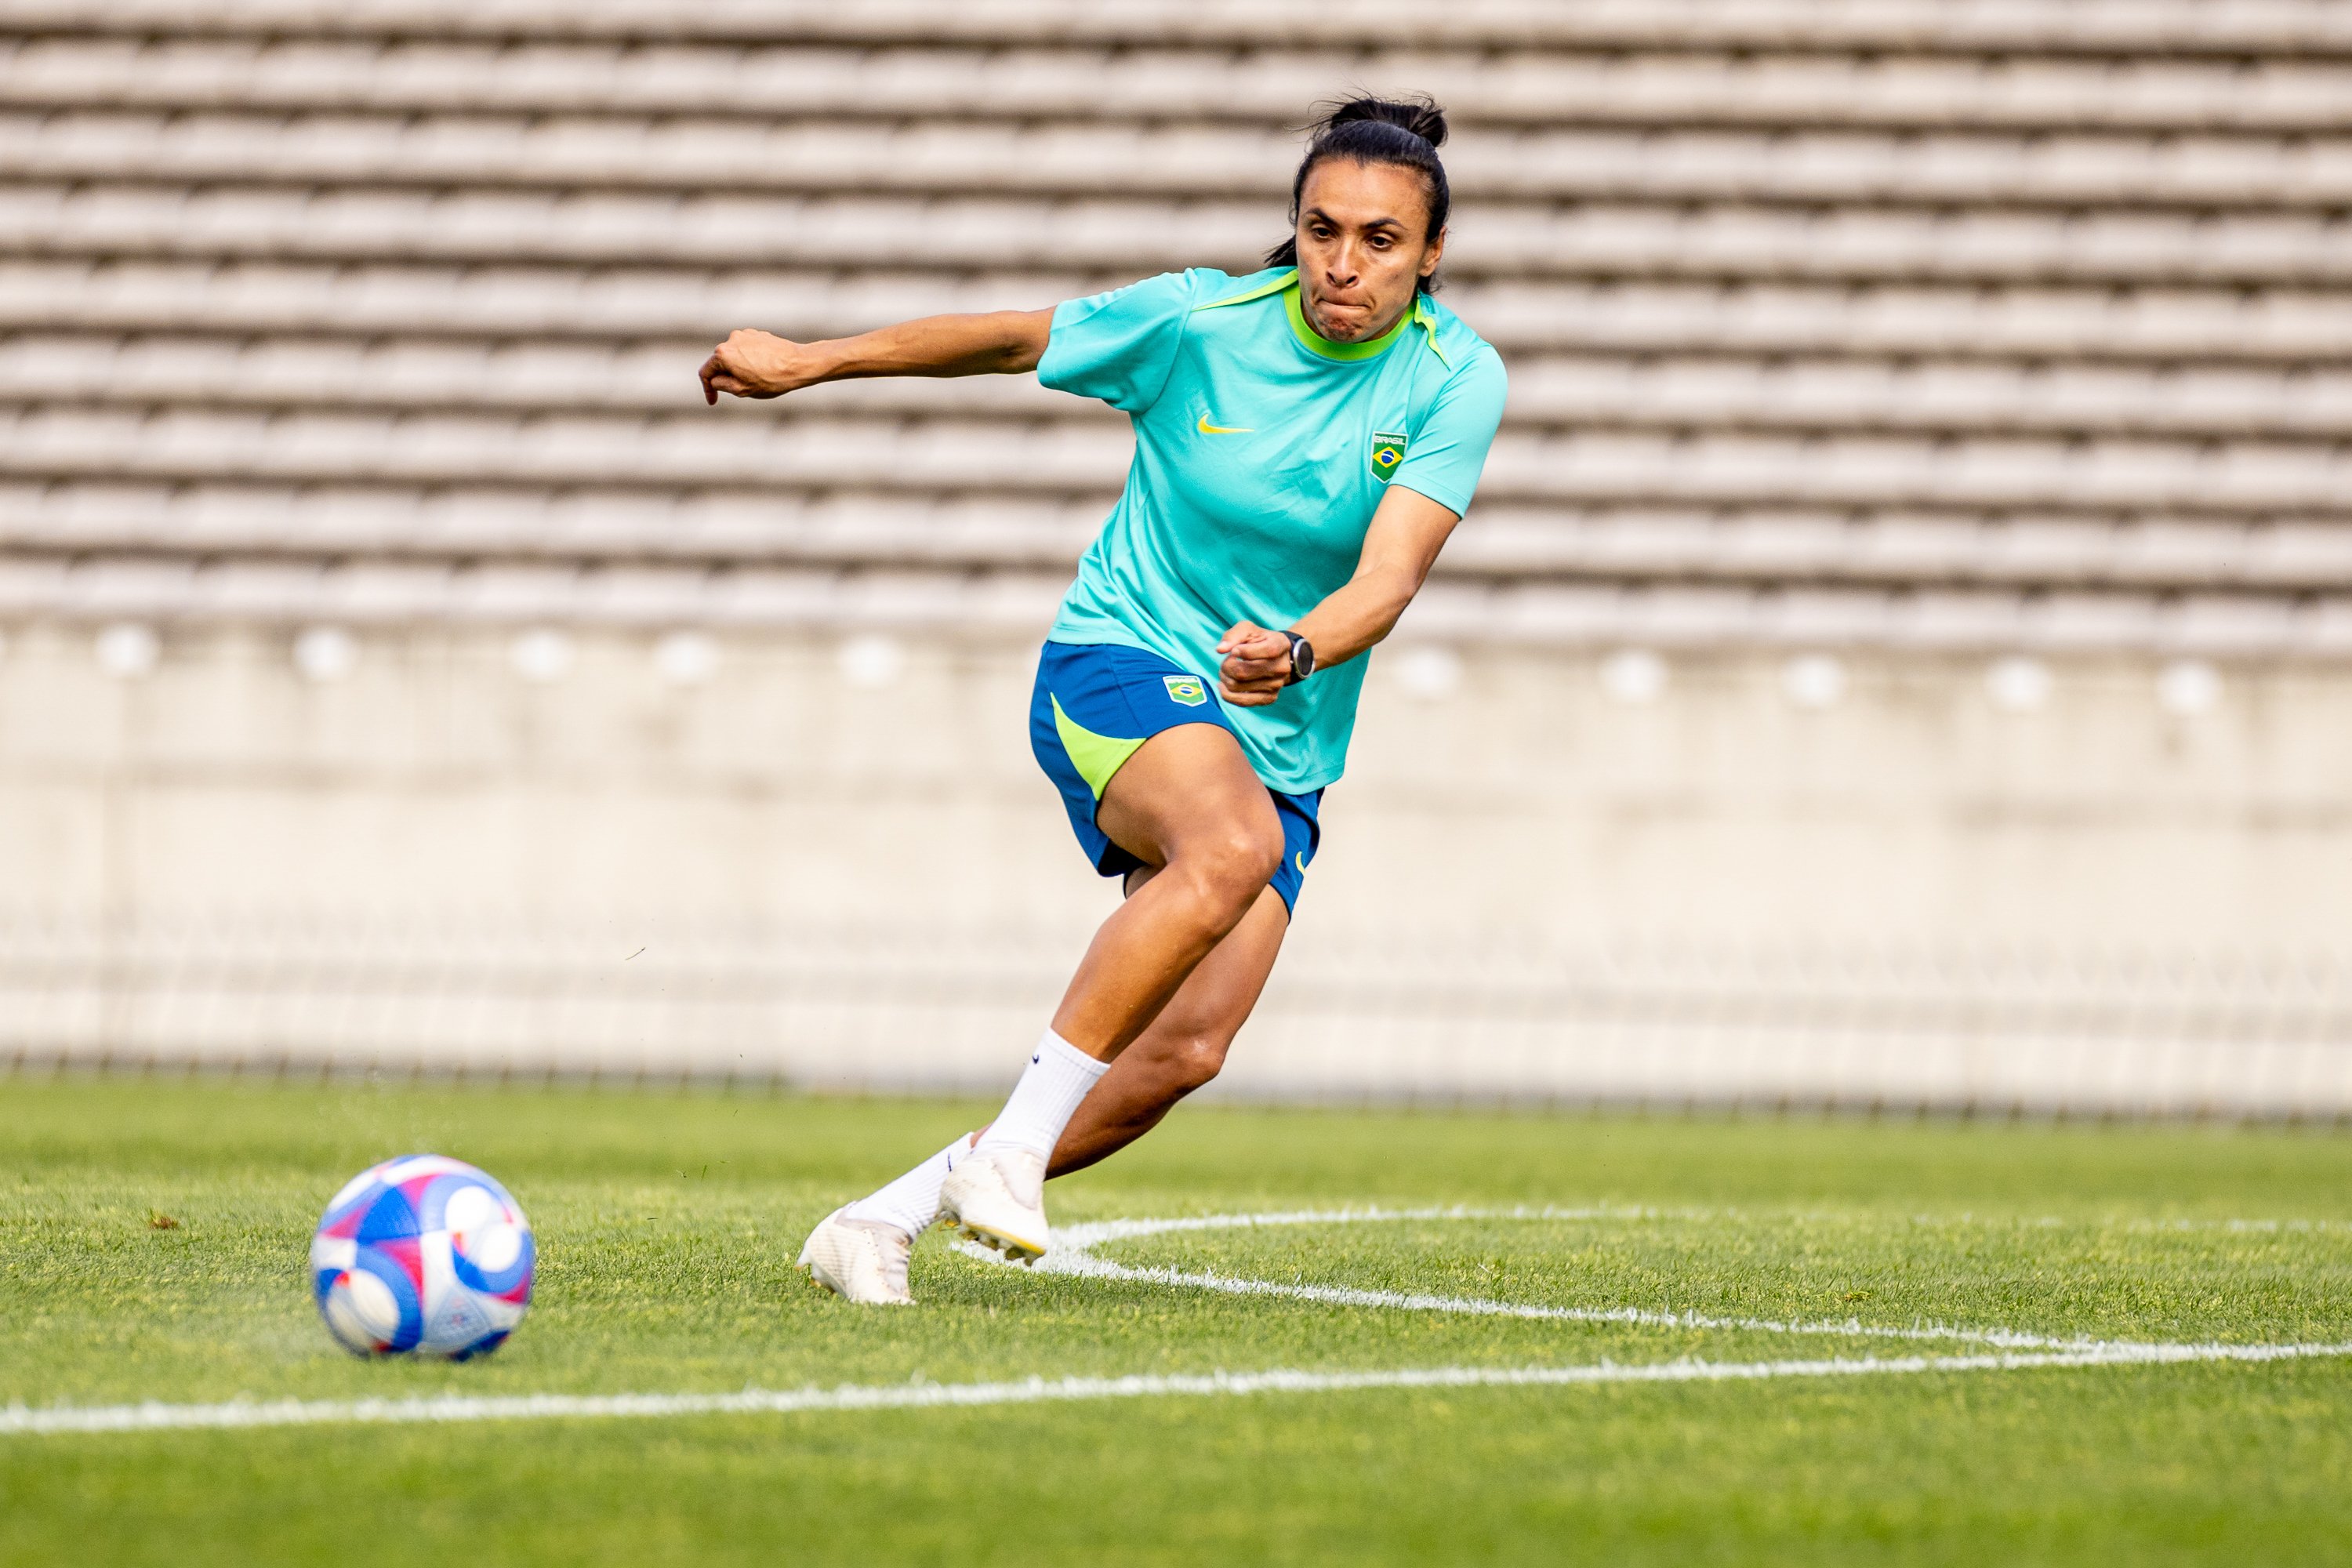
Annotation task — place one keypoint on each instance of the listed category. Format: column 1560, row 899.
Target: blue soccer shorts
column 1095, row 703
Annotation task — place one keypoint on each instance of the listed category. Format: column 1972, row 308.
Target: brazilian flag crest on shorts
column 1387, row 452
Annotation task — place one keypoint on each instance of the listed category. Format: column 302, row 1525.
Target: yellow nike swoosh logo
column 1207, row 429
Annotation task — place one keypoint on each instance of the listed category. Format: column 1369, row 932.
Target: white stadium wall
column 2096, row 884
column 1900, row 654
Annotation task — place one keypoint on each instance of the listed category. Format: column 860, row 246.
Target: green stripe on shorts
column 1095, row 757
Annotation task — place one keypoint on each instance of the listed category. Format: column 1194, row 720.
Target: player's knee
column 1185, row 1054
column 1231, row 865
column 1257, row 856
column 1198, row 1058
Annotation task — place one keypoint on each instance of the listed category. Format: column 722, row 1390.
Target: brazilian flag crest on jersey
column 1387, row 451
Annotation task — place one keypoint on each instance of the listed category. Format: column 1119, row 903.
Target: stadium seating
column 1910, row 324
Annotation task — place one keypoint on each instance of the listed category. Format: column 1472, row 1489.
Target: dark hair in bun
column 1406, row 132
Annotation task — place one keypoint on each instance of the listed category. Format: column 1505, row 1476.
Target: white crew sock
column 1056, row 1079
column 912, row 1202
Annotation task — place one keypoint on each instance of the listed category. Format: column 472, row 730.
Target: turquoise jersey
column 1261, row 451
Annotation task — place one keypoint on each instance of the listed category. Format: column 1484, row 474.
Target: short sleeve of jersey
column 1445, row 455
column 1120, row 346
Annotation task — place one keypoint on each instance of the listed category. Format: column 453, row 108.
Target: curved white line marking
column 1074, row 1254
column 1094, row 1233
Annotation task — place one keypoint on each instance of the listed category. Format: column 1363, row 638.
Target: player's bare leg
column 861, row 1250
column 1186, row 1045
column 1187, row 806
column 1186, row 803
column 1178, row 1048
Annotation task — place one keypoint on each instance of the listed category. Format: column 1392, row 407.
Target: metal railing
column 1350, row 1016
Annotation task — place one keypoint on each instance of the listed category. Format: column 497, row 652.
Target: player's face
column 1362, row 249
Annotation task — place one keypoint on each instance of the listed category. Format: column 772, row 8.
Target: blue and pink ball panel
column 423, row 1255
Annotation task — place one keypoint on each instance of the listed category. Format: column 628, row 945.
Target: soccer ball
column 422, row 1255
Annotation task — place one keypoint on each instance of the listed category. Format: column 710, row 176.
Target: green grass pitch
column 669, row 1224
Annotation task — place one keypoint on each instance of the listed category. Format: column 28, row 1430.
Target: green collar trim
column 1426, row 320
column 1286, row 284
column 1286, row 279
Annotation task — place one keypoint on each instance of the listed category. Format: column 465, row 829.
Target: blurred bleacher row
column 1904, row 324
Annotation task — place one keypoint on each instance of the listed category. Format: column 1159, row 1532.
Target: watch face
column 1302, row 658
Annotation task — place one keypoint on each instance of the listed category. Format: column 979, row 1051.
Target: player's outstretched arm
column 1407, row 532
column 752, row 364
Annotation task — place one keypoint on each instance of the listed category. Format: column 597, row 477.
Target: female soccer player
column 1306, row 437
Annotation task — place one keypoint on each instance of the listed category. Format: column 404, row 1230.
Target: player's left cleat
column 862, row 1260
column 997, row 1197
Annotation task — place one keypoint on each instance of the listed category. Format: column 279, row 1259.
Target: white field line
column 1095, row 1233
column 1090, row 1235
column 2258, row 1226
column 1073, row 1254
column 454, row 1408
column 2015, row 1351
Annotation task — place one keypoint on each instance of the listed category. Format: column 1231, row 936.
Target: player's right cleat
column 862, row 1260
column 997, row 1197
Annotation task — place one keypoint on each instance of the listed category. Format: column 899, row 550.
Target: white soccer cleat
column 997, row 1197
column 862, row 1260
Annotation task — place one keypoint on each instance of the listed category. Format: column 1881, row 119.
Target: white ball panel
column 351, row 1190
column 361, row 1310
column 394, row 1172
column 456, row 1321
column 440, row 1276
column 494, row 1247
column 470, row 1208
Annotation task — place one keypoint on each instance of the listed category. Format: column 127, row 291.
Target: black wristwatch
column 1302, row 658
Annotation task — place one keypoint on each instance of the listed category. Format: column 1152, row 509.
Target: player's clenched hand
column 1256, row 667
column 758, row 364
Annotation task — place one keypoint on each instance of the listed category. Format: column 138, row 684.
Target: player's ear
column 1436, row 254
